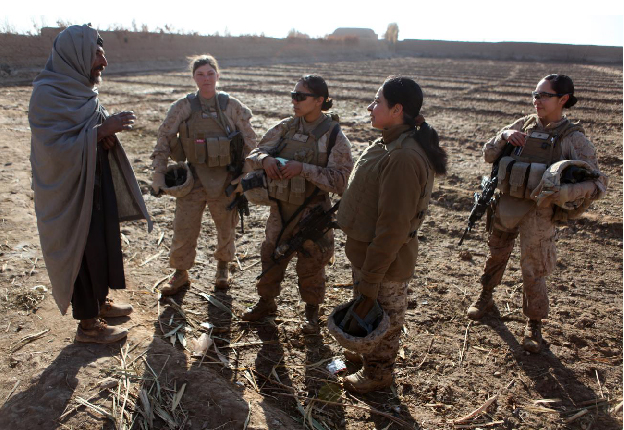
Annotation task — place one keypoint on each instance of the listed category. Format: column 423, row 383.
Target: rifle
column 241, row 204
column 488, row 187
column 312, row 227
column 237, row 162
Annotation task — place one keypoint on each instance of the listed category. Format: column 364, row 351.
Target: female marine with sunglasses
column 305, row 157
column 533, row 197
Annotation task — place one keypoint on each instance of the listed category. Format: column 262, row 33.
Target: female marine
column 199, row 128
column 536, row 144
column 381, row 211
column 305, row 157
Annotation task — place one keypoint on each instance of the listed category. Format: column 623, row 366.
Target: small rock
column 465, row 255
column 108, row 383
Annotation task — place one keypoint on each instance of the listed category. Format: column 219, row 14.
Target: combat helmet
column 178, row 180
column 255, row 188
column 561, row 173
column 372, row 328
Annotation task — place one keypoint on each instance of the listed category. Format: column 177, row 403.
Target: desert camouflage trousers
column 187, row 226
column 538, row 256
column 310, row 268
column 393, row 300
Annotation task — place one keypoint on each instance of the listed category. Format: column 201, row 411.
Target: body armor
column 522, row 171
column 203, row 139
column 358, row 212
column 304, row 148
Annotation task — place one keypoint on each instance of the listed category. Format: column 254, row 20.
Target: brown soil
column 447, row 367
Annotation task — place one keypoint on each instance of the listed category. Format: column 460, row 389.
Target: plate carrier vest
column 203, row 141
column 303, row 148
column 521, row 172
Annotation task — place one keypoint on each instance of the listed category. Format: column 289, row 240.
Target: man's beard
column 96, row 79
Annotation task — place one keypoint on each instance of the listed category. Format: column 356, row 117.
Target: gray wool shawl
column 64, row 113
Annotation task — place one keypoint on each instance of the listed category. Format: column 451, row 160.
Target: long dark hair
column 317, row 85
column 407, row 93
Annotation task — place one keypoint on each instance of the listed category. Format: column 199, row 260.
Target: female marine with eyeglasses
column 305, row 157
column 534, row 196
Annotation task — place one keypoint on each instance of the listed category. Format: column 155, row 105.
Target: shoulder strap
column 322, row 128
column 332, row 139
column 194, row 101
column 529, row 121
column 223, row 99
column 224, row 121
column 571, row 128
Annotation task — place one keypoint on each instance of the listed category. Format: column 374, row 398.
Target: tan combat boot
column 312, row 314
column 533, row 336
column 96, row 331
column 263, row 308
column 358, row 382
column 483, row 304
column 114, row 310
column 222, row 277
column 179, row 279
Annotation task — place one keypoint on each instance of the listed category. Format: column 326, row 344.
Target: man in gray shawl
column 83, row 183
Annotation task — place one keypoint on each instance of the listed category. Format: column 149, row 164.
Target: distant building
column 361, row 33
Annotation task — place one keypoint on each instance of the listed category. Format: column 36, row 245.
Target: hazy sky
column 482, row 20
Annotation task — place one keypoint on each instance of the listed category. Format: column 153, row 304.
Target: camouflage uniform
column 329, row 179
column 190, row 209
column 383, row 260
column 538, row 254
column 393, row 300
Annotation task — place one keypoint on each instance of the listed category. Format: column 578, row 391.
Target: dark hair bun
column 571, row 101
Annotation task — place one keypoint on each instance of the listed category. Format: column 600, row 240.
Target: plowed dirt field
column 268, row 375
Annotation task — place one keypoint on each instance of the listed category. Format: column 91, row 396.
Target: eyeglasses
column 537, row 95
column 299, row 96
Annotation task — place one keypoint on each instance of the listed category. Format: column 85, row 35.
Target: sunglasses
column 537, row 95
column 299, row 96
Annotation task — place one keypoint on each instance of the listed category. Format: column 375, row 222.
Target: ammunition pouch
column 213, row 151
column 517, row 178
column 291, row 190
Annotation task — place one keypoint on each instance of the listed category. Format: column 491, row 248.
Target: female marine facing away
column 533, row 197
column 305, row 158
column 198, row 128
column 381, row 211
